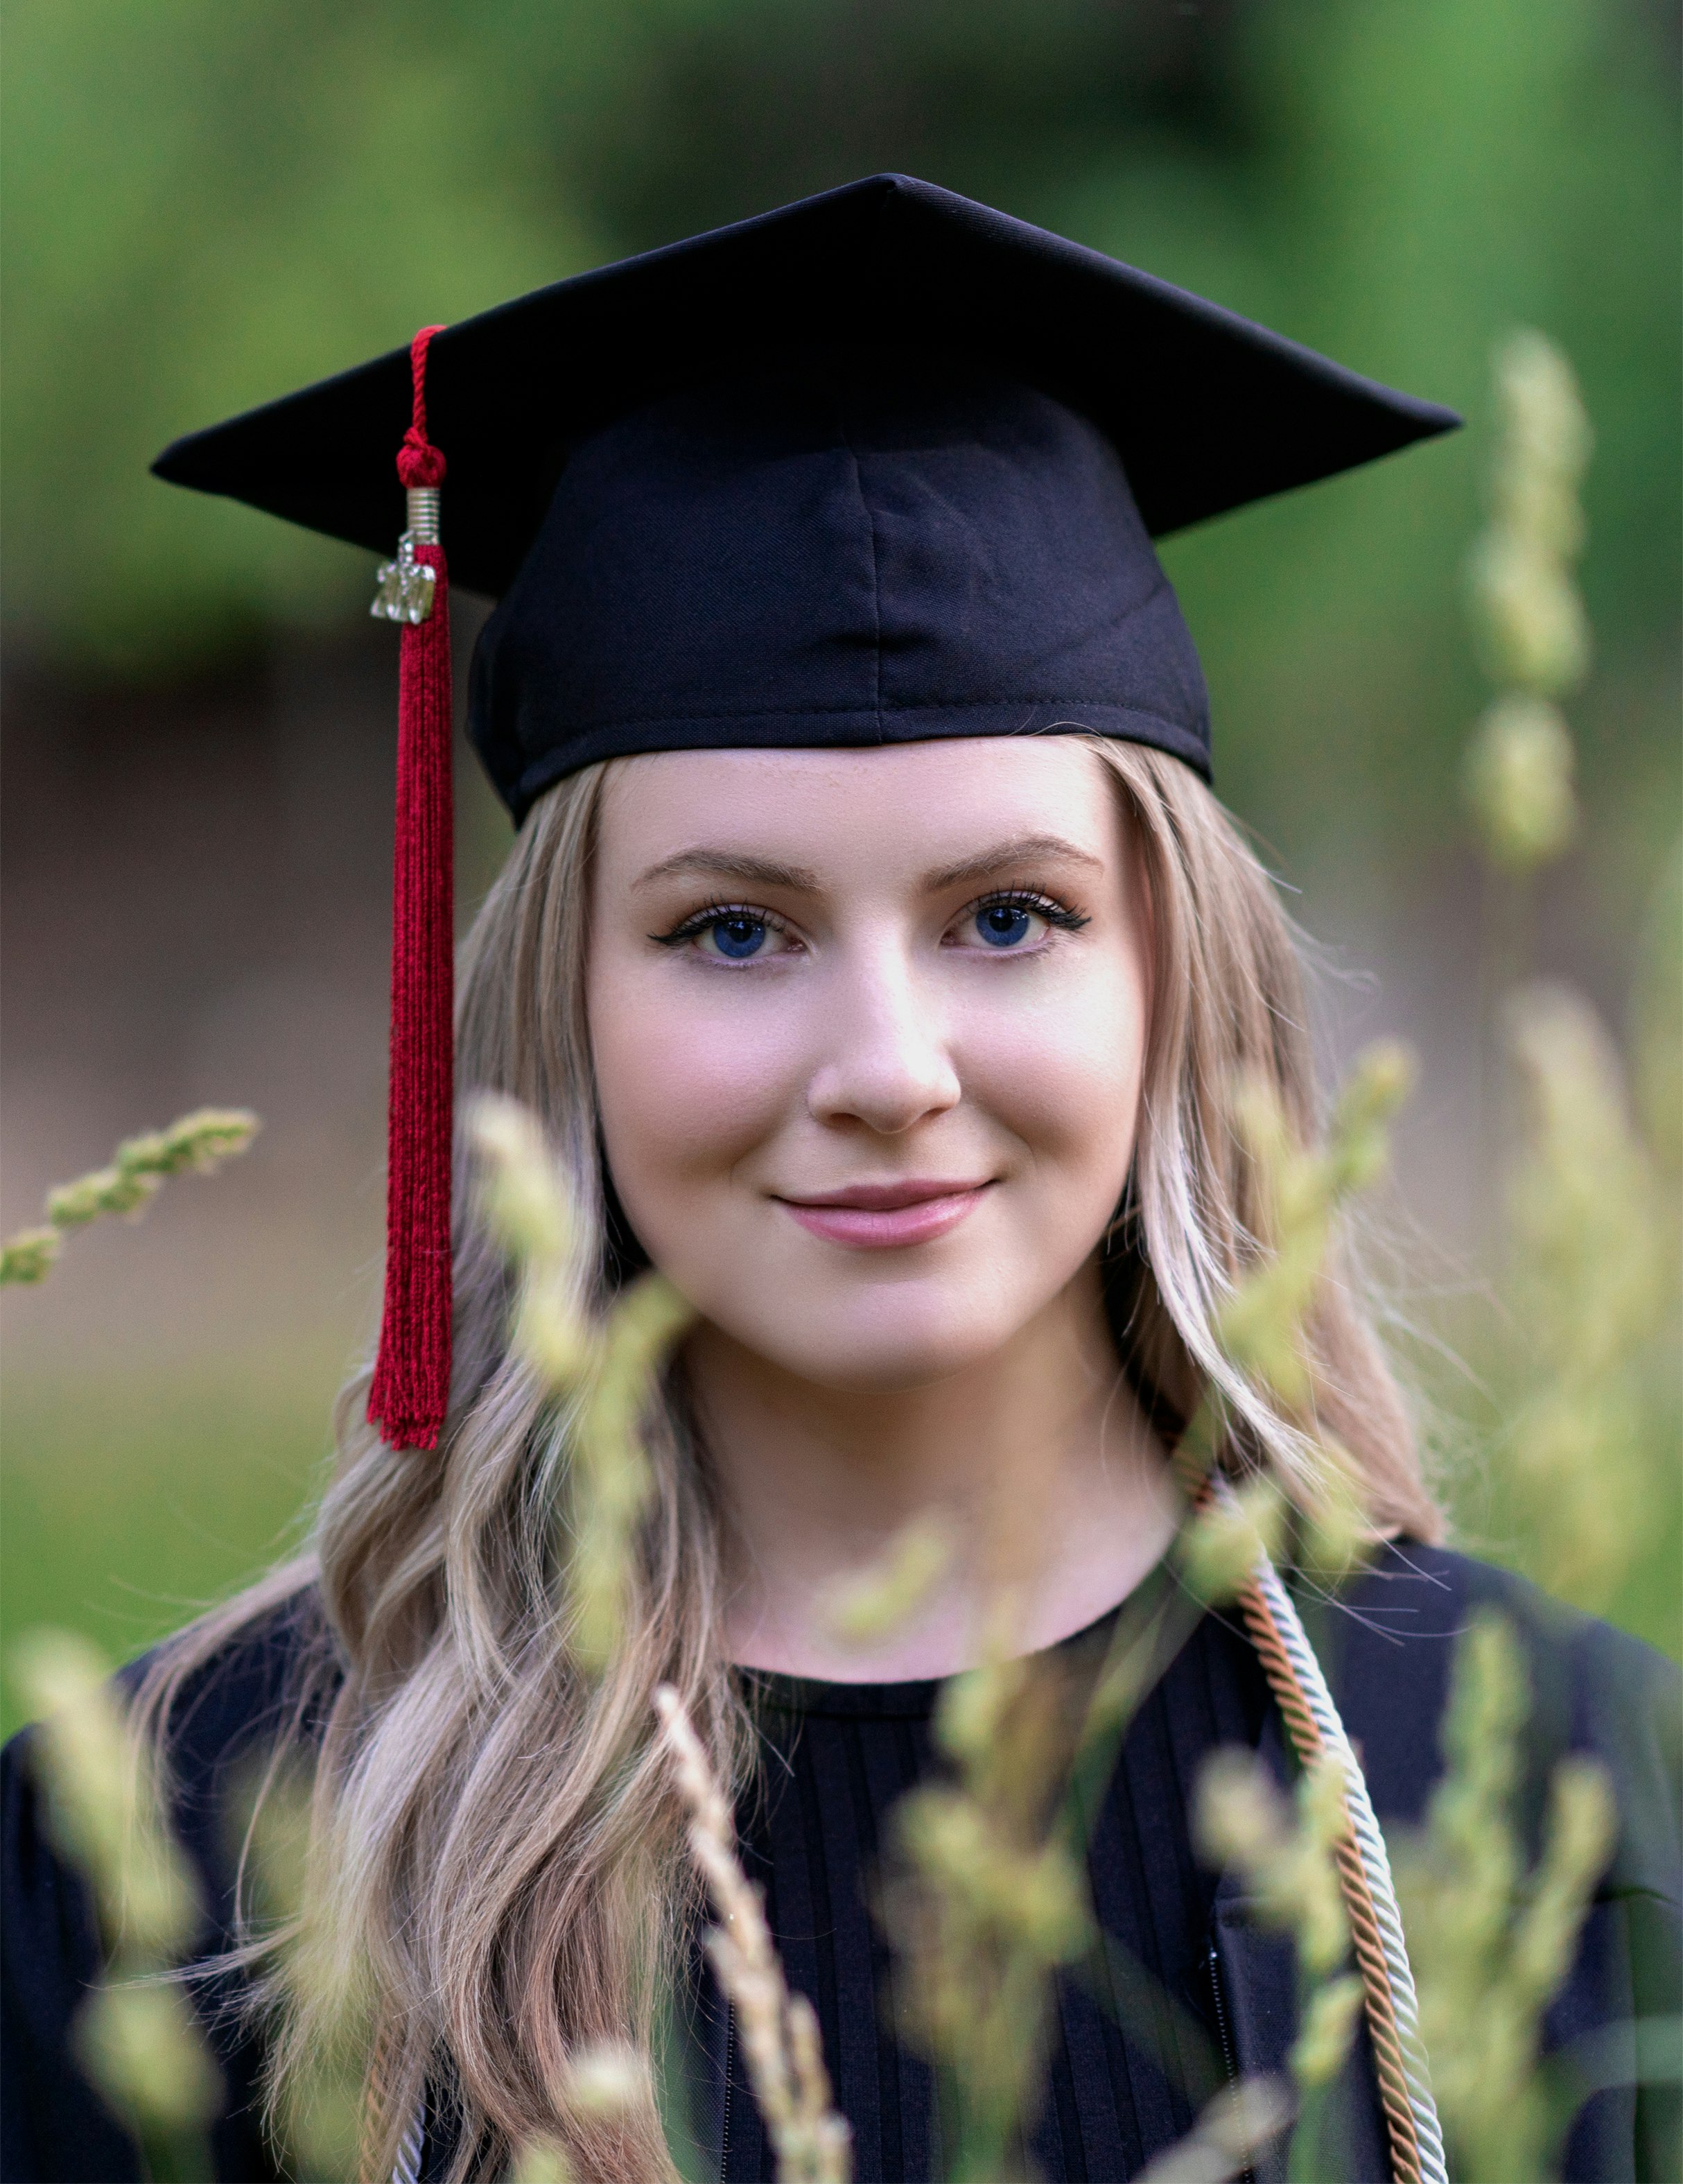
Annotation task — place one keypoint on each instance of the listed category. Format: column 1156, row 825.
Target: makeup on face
column 868, row 1029
column 888, row 1217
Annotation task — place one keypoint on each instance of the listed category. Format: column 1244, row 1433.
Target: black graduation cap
column 880, row 466
column 783, row 321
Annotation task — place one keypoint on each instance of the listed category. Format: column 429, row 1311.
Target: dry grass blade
column 1236, row 2126
column 779, row 2030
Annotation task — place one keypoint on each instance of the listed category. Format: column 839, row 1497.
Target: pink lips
column 887, row 1216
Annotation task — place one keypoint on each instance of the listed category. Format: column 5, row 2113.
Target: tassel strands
column 410, row 1392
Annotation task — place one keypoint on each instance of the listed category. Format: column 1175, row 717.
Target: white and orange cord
column 1315, row 1728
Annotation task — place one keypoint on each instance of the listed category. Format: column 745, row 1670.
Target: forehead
column 841, row 813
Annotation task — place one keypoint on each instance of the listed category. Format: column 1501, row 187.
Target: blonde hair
column 495, row 1839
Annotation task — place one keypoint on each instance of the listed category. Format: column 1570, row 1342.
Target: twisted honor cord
column 1313, row 1720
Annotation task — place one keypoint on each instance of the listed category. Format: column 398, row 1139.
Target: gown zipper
column 1229, row 2061
column 1213, row 1965
column 724, row 2120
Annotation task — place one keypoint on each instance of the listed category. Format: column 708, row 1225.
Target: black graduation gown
column 1388, row 1647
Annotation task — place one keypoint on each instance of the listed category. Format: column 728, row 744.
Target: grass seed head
column 102, row 1798
column 1329, row 2026
column 608, row 2079
column 1220, row 1548
column 521, row 1193
column 541, row 2161
column 1517, row 779
column 1527, row 613
column 140, row 2047
column 1243, row 1822
column 869, row 1606
column 199, row 1142
column 29, row 1256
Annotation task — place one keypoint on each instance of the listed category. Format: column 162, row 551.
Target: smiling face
column 868, row 1029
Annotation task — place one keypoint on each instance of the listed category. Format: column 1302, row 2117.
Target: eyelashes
column 717, row 913
column 742, row 921
column 1047, row 906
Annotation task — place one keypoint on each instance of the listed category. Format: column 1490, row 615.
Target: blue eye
column 737, row 935
column 1003, row 924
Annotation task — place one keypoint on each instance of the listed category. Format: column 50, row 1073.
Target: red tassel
column 410, row 1392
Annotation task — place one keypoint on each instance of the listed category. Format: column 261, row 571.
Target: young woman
column 880, row 966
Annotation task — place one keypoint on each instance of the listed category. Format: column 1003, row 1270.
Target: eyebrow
column 1022, row 850
column 766, row 872
column 733, row 865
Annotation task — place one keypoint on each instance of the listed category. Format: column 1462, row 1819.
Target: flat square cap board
column 883, row 465
column 1207, row 410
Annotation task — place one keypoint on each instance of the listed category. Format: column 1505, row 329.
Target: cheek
column 688, row 1083
column 1063, row 1077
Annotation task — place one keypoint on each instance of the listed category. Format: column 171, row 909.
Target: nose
column 885, row 1062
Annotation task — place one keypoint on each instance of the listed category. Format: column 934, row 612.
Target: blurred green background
column 207, row 202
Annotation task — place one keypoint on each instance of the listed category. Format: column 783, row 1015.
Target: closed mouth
column 887, row 1215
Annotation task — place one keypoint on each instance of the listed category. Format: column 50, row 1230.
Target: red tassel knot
column 419, row 462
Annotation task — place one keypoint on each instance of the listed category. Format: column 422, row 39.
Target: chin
column 877, row 1352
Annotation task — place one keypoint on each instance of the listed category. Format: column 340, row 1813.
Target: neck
column 1037, row 1458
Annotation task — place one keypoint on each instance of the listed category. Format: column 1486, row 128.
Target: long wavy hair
column 495, row 1844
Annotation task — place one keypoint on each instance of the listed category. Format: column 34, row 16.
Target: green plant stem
column 1317, row 2106
column 175, row 2156
column 1152, row 1626
column 1507, row 933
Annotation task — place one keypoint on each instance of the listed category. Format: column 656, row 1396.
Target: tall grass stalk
column 135, row 2036
column 1286, row 1858
column 780, row 2034
column 196, row 1144
column 1492, row 1938
column 601, row 1374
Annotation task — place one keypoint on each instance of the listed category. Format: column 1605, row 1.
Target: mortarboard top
column 1207, row 410
column 883, row 465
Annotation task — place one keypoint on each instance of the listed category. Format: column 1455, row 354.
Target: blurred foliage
column 207, row 202
column 137, row 2039
column 1582, row 1356
column 127, row 1505
column 1593, row 1286
column 596, row 1378
column 196, row 1144
column 1491, row 1942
